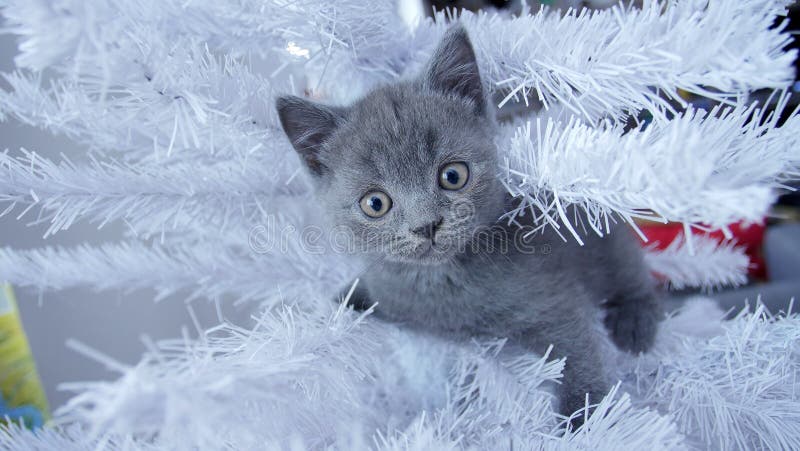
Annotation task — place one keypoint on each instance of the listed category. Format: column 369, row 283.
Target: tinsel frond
column 714, row 167
column 601, row 64
column 614, row 62
column 308, row 366
column 150, row 85
column 597, row 64
column 149, row 197
column 247, row 270
column 324, row 373
column 703, row 263
column 738, row 390
column 169, row 99
column 321, row 370
column 67, row 438
column 73, row 29
column 264, row 263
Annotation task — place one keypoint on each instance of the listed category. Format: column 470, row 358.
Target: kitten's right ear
column 308, row 125
column 453, row 68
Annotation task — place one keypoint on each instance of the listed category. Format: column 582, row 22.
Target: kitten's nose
column 429, row 229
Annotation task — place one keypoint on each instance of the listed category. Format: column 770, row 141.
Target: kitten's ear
column 453, row 68
column 308, row 125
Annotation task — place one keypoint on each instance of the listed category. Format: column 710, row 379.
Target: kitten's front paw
column 632, row 327
column 576, row 405
column 573, row 406
column 358, row 299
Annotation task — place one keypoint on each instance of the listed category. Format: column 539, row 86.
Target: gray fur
column 466, row 279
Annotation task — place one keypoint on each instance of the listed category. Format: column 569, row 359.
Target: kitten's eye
column 454, row 176
column 375, row 204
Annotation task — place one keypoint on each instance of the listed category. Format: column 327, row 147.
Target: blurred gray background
column 110, row 322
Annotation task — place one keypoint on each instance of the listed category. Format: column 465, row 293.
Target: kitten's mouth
column 426, row 252
column 429, row 251
column 432, row 254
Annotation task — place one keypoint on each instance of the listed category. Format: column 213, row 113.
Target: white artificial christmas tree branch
column 63, row 438
column 617, row 424
column 158, row 110
column 614, row 62
column 296, row 362
column 73, row 29
column 599, row 64
column 256, row 267
column 149, row 197
column 284, row 269
column 309, row 365
column 136, row 77
column 183, row 93
column 714, row 168
column 737, row 390
column 605, row 63
column 706, row 265
column 322, row 372
column 160, row 102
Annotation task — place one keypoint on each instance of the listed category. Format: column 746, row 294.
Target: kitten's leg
column 633, row 309
column 359, row 300
column 575, row 338
column 632, row 320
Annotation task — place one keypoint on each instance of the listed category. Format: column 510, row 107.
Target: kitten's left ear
column 453, row 68
column 309, row 125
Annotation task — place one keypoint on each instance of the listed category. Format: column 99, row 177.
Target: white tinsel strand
column 174, row 125
column 615, row 424
column 706, row 264
column 419, row 436
column 148, row 67
column 328, row 378
column 498, row 401
column 256, row 262
column 618, row 61
column 715, row 168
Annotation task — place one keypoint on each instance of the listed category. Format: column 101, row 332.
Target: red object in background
column 751, row 237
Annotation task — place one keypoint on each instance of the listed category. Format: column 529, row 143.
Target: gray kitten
column 411, row 171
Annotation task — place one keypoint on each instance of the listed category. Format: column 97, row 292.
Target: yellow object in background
column 23, row 399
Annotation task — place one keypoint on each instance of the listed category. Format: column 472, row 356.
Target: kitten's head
column 409, row 170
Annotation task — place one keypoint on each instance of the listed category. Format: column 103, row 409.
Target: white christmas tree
column 173, row 102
